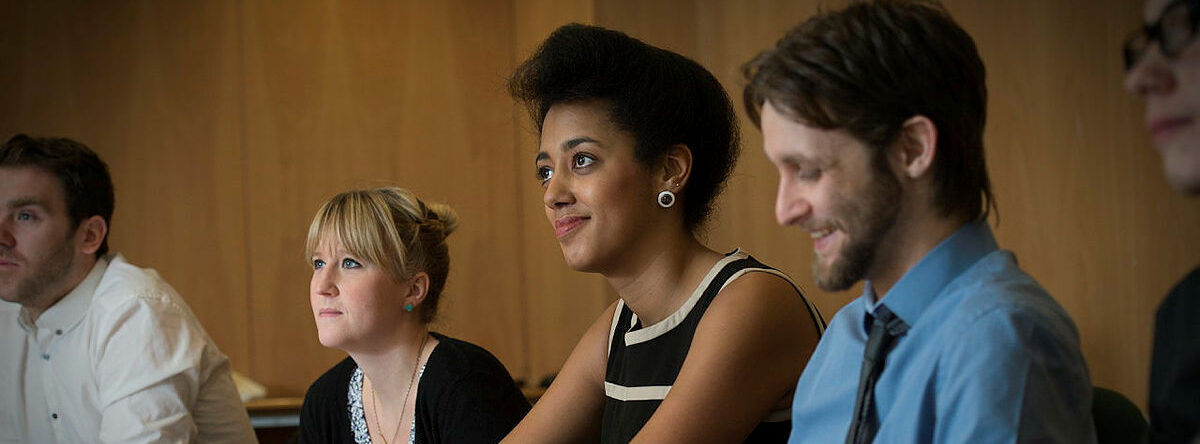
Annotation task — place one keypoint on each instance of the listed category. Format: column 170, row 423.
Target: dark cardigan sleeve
column 323, row 416
column 472, row 399
column 481, row 408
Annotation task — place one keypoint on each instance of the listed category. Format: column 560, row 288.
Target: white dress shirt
column 121, row 358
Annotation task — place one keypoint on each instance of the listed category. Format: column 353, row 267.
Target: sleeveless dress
column 643, row 361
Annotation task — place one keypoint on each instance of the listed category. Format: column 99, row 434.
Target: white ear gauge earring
column 666, row 199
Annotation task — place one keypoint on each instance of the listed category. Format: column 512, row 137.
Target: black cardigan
column 465, row 396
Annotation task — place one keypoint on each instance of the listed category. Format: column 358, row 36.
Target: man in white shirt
column 93, row 349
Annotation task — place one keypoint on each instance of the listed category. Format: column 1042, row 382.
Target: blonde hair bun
column 442, row 216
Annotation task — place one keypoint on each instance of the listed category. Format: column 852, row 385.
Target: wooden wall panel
column 152, row 87
column 347, row 95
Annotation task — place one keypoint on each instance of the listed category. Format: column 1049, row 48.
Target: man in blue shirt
column 874, row 117
column 1162, row 66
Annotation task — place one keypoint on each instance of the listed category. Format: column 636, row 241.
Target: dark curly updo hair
column 660, row 97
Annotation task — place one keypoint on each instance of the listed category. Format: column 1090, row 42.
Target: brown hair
column 392, row 228
column 870, row 67
column 84, row 177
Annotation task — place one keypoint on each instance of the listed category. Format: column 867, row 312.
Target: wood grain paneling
column 153, row 88
column 345, row 95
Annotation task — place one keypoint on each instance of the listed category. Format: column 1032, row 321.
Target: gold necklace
column 412, row 380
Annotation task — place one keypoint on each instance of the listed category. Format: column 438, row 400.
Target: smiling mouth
column 821, row 239
column 565, row 225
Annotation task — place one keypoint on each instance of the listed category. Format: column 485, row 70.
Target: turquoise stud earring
column 408, row 307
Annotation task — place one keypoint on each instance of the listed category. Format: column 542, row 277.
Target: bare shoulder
column 758, row 329
column 760, row 294
column 763, row 315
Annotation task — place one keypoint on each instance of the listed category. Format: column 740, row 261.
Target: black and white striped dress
column 643, row 361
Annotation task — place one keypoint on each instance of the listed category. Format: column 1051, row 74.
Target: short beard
column 54, row 269
column 873, row 218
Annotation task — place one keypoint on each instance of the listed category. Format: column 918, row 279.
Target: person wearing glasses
column 1162, row 66
column 873, row 116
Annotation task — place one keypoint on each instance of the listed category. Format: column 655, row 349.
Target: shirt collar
column 918, row 287
column 69, row 310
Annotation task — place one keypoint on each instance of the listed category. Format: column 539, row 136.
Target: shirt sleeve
column 480, row 407
column 1014, row 376
column 148, row 367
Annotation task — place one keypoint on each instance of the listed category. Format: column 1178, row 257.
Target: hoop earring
column 666, row 199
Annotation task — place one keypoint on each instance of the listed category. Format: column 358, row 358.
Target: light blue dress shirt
column 989, row 357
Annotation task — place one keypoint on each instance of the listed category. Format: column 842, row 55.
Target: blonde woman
column 380, row 260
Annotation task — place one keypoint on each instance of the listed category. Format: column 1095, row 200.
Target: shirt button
column 54, row 415
column 46, row 356
column 58, row 332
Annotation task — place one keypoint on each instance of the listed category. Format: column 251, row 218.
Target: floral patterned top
column 358, row 417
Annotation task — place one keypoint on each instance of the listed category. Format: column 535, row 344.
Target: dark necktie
column 885, row 328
